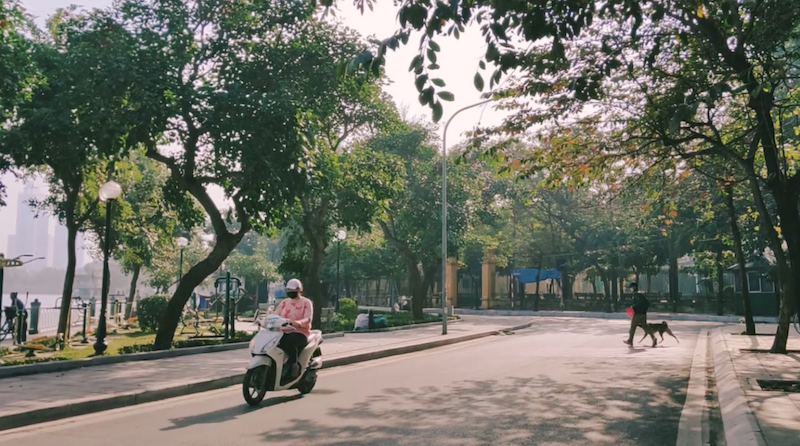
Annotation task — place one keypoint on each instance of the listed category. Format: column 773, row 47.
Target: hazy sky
column 458, row 59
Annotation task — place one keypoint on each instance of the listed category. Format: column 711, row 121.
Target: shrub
column 348, row 308
column 25, row 361
column 135, row 348
column 4, row 351
column 150, row 312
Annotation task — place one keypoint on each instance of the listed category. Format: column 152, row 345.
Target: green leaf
column 434, row 46
column 433, row 66
column 492, row 53
column 437, row 82
column 420, row 82
column 432, row 56
column 437, row 111
column 416, row 62
column 478, row 81
column 446, row 95
column 482, row 64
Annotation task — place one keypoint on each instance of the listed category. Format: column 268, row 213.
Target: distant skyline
column 458, row 59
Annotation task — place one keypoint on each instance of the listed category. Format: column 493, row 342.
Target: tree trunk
column 614, row 292
column 786, row 204
column 720, row 279
column 538, row 281
column 787, row 209
column 417, row 289
column 134, row 279
column 607, row 290
column 69, row 276
column 428, row 278
column 226, row 243
column 566, row 292
column 674, row 289
column 314, row 285
column 785, row 279
column 749, row 323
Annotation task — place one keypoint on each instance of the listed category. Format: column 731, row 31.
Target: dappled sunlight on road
column 516, row 410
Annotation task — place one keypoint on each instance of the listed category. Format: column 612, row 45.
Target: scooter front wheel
column 254, row 385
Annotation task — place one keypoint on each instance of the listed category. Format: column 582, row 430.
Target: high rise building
column 41, row 243
column 80, row 254
column 33, row 233
column 60, row 246
column 24, row 239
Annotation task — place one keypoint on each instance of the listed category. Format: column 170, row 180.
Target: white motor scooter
column 267, row 370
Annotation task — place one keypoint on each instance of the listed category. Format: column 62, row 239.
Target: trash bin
column 34, row 325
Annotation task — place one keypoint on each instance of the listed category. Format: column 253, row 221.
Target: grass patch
column 135, row 342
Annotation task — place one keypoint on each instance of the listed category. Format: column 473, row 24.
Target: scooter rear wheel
column 307, row 382
column 254, row 385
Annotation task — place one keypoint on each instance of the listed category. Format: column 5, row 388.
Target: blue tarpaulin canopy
column 528, row 275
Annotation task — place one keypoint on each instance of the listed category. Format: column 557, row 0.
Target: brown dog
column 661, row 329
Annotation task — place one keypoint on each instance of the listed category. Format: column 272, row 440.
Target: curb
column 694, row 426
column 28, row 418
column 597, row 315
column 740, row 424
column 404, row 327
column 63, row 366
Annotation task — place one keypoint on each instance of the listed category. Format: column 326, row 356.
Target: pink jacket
column 301, row 310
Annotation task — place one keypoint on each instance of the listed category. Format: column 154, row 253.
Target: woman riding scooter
column 298, row 310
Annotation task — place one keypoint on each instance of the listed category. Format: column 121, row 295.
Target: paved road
column 563, row 382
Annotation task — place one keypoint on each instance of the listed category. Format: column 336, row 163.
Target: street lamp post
column 109, row 192
column 182, row 242
column 340, row 235
column 444, row 211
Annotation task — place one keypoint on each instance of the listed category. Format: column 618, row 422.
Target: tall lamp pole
column 109, row 192
column 444, row 211
column 340, row 235
column 182, row 242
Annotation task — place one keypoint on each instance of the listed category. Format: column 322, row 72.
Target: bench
column 30, row 348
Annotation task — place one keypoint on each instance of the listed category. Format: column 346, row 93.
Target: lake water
column 49, row 306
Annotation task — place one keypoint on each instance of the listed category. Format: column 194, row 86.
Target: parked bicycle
column 7, row 329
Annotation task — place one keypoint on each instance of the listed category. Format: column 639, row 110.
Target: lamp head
column 110, row 191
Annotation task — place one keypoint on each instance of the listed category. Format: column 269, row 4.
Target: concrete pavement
column 47, row 396
column 753, row 416
column 562, row 382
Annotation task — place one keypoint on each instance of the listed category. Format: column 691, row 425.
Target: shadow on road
column 634, row 408
column 604, row 327
column 227, row 414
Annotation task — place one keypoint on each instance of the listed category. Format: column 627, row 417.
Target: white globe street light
column 182, row 242
column 109, row 192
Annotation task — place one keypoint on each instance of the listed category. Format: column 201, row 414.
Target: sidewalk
column 651, row 316
column 753, row 416
column 49, row 396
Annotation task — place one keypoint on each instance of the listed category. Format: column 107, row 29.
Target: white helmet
column 294, row 285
